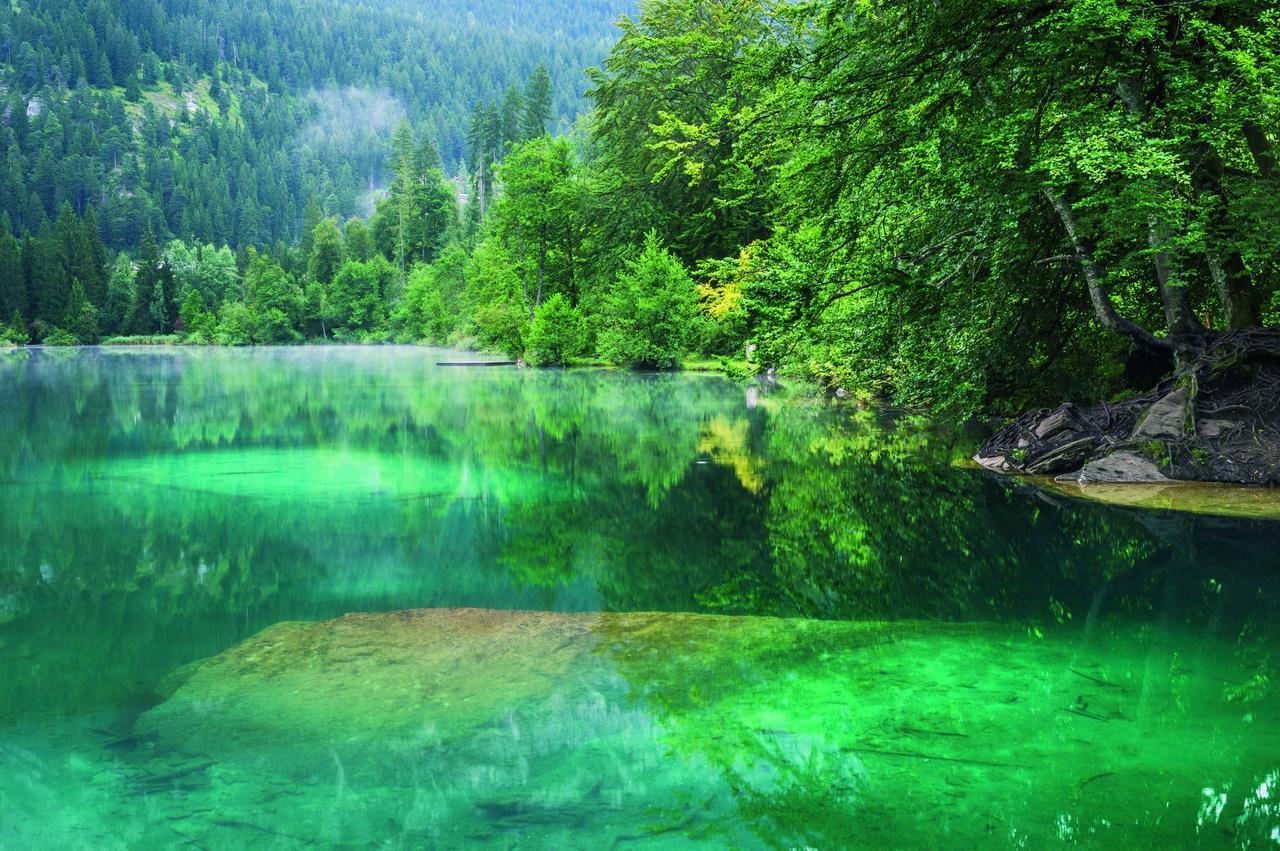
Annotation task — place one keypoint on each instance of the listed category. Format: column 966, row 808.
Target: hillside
column 220, row 122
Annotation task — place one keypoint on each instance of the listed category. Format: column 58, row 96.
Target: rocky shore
column 1216, row 419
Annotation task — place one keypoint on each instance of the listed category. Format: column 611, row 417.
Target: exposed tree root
column 1217, row 419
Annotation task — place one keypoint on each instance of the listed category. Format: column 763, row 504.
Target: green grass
column 145, row 340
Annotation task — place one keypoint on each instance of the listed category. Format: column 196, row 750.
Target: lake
column 344, row 597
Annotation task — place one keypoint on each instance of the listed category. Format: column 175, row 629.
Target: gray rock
column 1062, row 420
column 1166, row 418
column 1068, row 456
column 992, row 462
column 1118, row 467
column 1213, row 428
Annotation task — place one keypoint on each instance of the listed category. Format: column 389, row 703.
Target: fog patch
column 353, row 124
column 347, row 112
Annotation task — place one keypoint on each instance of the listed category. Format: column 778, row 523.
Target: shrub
column 502, row 326
column 650, row 311
column 557, row 334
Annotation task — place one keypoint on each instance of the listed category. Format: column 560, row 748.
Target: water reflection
column 159, row 507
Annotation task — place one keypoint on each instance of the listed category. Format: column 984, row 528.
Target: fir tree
column 81, row 319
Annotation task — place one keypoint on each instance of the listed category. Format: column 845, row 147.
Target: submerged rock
column 466, row 727
column 423, row 675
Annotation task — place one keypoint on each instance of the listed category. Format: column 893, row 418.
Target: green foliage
column 119, row 299
column 672, row 102
column 51, row 335
column 143, row 340
column 357, row 294
column 273, row 305
column 81, row 319
column 15, row 333
column 956, row 208
column 208, row 270
column 650, row 311
column 431, row 304
column 357, row 240
column 326, row 251
column 502, row 326
column 238, row 325
column 557, row 333
column 198, row 322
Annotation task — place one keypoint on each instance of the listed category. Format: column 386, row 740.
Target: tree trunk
column 1230, row 276
column 524, row 272
column 1095, row 280
column 1260, row 147
column 542, row 261
column 1177, row 307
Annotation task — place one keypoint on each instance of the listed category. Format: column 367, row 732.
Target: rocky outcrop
column 1216, row 420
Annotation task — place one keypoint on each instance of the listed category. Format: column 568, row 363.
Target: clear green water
column 655, row 611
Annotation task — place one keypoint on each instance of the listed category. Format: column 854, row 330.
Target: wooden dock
column 475, row 363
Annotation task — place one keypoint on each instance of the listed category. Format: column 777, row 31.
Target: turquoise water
column 649, row 611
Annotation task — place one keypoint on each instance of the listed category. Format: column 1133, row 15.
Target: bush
column 237, row 325
column 502, row 326
column 59, row 337
column 650, row 312
column 143, row 340
column 199, row 323
column 15, row 333
column 557, row 334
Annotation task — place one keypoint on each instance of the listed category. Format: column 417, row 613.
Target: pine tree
column 88, row 260
column 145, row 281
column 81, row 318
column 537, row 105
column 13, row 290
column 120, row 294
column 132, row 90
column 512, row 108
column 45, row 270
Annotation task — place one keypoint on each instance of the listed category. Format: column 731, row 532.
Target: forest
column 955, row 208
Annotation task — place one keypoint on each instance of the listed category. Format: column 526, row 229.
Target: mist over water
column 662, row 610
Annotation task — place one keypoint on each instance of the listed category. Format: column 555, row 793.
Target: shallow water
column 659, row 611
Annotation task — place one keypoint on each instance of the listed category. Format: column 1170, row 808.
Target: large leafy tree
column 536, row 213
column 971, row 190
column 672, row 103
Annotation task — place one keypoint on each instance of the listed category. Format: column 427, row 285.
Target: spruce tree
column 81, row 318
column 46, row 274
column 141, row 314
column 537, row 105
column 13, row 290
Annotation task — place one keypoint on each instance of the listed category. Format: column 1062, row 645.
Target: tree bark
column 542, row 261
column 524, row 273
column 1177, row 307
column 1230, row 276
column 1095, row 280
column 1260, row 147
